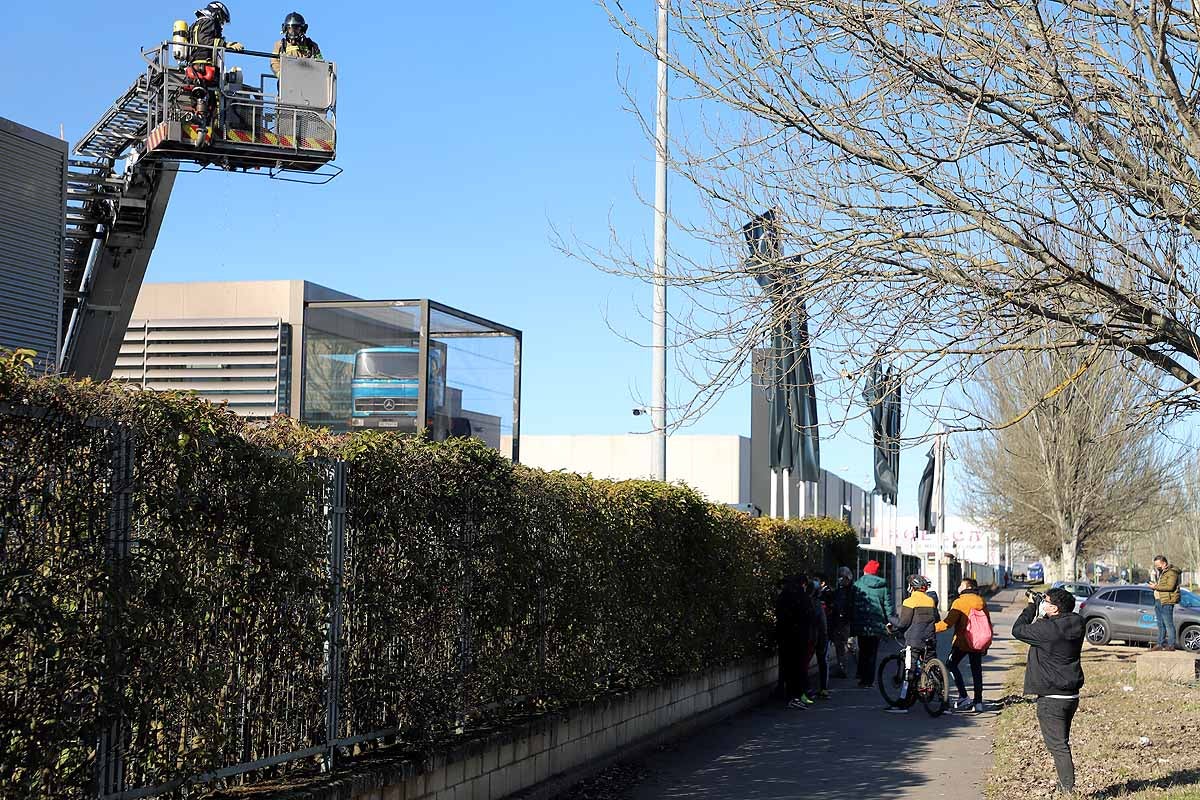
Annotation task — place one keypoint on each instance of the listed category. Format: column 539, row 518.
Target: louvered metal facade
column 242, row 362
column 33, row 186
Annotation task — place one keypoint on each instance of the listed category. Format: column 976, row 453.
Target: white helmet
column 216, row 10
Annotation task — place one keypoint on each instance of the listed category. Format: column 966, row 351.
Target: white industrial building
column 721, row 467
column 716, row 466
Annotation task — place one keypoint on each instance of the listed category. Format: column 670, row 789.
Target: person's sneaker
column 980, row 708
column 823, row 695
column 808, row 701
column 797, row 704
column 1169, row 649
column 962, row 704
column 1155, row 648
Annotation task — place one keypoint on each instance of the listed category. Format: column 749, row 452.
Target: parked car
column 1079, row 589
column 1126, row 613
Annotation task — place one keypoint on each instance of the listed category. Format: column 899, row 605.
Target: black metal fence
column 151, row 636
column 189, row 599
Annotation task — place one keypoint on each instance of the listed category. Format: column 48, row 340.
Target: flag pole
column 658, row 407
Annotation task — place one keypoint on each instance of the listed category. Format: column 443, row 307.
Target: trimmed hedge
column 472, row 587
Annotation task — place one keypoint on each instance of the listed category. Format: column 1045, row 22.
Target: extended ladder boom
column 112, row 233
column 120, row 183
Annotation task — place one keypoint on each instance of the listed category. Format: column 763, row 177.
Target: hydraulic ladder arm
column 114, row 213
column 124, row 223
column 120, row 181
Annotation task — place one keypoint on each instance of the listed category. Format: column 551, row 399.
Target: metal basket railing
column 249, row 114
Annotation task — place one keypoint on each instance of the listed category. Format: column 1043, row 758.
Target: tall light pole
column 658, row 400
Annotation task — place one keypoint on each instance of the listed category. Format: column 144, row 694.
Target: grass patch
column 1114, row 713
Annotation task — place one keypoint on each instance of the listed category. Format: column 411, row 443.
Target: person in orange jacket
column 968, row 600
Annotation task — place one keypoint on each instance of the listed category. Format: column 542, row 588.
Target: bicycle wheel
column 891, row 681
column 934, row 687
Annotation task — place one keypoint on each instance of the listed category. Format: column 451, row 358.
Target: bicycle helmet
column 294, row 28
column 917, row 583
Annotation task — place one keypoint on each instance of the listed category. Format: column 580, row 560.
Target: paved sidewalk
column 844, row 748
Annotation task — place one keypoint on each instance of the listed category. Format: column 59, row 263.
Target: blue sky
column 465, row 131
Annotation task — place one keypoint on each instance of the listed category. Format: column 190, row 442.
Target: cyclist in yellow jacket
column 918, row 616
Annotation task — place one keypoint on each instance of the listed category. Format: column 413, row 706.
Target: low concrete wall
column 551, row 752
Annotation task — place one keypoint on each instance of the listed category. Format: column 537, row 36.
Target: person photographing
column 1054, row 673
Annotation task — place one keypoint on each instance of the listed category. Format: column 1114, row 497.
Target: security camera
column 637, row 412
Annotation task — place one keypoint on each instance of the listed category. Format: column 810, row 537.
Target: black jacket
column 205, row 32
column 1054, row 646
column 794, row 618
column 820, row 620
column 843, row 606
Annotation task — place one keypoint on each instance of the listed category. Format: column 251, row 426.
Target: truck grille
column 387, row 405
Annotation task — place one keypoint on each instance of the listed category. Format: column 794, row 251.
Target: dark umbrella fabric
column 925, row 496
column 794, row 440
column 885, row 429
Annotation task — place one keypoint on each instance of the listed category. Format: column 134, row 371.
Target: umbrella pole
column 787, row 494
column 774, row 494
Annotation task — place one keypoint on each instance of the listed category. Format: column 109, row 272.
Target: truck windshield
column 386, row 366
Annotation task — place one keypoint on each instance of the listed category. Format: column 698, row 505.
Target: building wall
column 239, row 361
column 33, row 174
column 716, row 466
column 283, row 300
column 964, row 538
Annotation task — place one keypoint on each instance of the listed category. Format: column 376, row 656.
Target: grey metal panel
column 33, row 176
column 224, row 361
column 306, row 83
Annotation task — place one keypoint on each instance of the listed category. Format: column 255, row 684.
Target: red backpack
column 979, row 631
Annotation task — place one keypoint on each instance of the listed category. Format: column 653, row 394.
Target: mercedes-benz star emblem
column 389, row 405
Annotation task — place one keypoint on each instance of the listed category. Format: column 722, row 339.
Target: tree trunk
column 1070, row 559
column 1053, row 568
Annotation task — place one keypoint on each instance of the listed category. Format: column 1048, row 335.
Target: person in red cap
column 872, row 608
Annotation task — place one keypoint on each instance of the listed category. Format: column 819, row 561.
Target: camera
column 1035, row 597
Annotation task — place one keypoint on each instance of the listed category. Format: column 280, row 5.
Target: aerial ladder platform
column 120, row 178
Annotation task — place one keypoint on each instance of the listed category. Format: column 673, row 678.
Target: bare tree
column 1078, row 471
column 1178, row 537
column 952, row 178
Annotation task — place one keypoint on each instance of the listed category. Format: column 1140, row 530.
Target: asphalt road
column 846, row 747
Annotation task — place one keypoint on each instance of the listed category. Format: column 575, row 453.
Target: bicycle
column 911, row 675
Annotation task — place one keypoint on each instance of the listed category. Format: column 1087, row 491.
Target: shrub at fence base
column 167, row 578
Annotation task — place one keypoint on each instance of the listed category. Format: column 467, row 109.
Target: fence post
column 110, row 745
column 466, row 620
column 337, row 562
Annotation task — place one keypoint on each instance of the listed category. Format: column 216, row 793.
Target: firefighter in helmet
column 207, row 32
column 295, row 42
column 206, row 36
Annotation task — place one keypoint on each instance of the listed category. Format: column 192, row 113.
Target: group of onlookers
column 809, row 615
column 812, row 615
